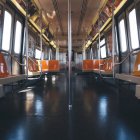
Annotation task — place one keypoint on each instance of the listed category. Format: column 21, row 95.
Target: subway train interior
column 69, row 69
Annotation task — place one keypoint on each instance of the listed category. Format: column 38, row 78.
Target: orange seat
column 136, row 70
column 96, row 64
column 30, row 65
column 3, row 67
column 107, row 66
column 44, row 65
column 35, row 66
column 53, row 65
column 87, row 65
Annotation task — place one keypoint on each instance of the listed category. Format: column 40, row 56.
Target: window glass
column 109, row 43
column 133, row 29
column 37, row 54
column 6, row 31
column 122, row 35
column 116, row 41
column 103, row 52
column 102, row 42
column 18, row 37
column 24, row 44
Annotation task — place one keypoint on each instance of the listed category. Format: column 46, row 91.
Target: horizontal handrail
column 126, row 57
column 13, row 58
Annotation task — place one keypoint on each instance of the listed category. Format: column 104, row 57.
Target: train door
column 11, row 39
column 129, row 38
column 124, row 43
column 133, row 34
column 17, row 43
column 7, row 35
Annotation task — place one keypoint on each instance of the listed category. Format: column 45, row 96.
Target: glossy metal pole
column 69, row 53
column 91, row 54
column 57, row 53
column 113, row 40
column 41, row 41
column 84, row 54
column 26, row 38
column 99, row 44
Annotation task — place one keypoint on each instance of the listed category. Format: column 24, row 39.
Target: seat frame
column 8, row 79
column 134, row 77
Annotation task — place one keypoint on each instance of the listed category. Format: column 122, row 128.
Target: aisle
column 101, row 113
column 36, row 113
column 41, row 112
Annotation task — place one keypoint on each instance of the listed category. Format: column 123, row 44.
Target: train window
column 109, row 43
column 122, row 34
column 37, row 54
column 103, row 48
column 102, row 42
column 6, row 31
column 17, row 46
column 116, row 42
column 133, row 29
column 103, row 52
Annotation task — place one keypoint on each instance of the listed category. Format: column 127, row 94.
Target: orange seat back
column 45, row 65
column 96, row 63
column 136, row 70
column 30, row 65
column 54, row 65
column 3, row 67
column 104, row 66
column 35, row 65
column 110, row 65
column 107, row 66
column 87, row 65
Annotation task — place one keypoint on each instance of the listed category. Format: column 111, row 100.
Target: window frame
column 108, row 32
column 95, row 50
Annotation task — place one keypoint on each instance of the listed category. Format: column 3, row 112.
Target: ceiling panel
column 60, row 6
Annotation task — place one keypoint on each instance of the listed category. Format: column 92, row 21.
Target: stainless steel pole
column 99, row 44
column 113, row 40
column 41, row 42
column 69, row 53
column 26, row 39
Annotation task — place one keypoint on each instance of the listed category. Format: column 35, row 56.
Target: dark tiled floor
column 41, row 112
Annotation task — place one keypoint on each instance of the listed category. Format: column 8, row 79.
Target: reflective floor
column 40, row 112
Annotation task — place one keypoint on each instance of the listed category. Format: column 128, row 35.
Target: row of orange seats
column 96, row 65
column 46, row 65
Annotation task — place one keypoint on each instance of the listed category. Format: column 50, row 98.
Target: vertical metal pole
column 41, row 42
column 50, row 54
column 26, row 39
column 69, row 52
column 99, row 44
column 84, row 55
column 57, row 53
column 113, row 40
column 91, row 54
